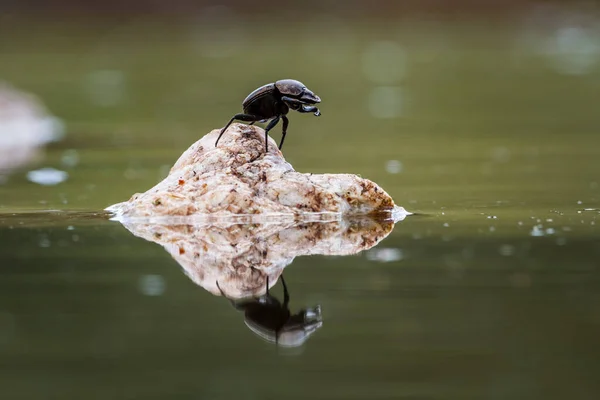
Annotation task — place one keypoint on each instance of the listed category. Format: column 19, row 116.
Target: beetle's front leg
column 241, row 117
column 301, row 106
column 286, row 294
column 271, row 125
column 286, row 122
column 310, row 109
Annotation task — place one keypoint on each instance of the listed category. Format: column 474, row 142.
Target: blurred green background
column 482, row 117
column 466, row 107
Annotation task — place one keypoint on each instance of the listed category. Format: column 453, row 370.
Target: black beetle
column 273, row 321
column 274, row 100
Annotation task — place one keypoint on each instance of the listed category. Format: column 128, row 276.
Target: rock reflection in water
column 242, row 261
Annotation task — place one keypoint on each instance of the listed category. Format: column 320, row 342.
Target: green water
column 492, row 291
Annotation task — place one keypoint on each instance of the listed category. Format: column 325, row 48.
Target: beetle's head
column 297, row 90
column 296, row 330
column 300, row 327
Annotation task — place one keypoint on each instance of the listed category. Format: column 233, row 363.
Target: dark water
column 492, row 291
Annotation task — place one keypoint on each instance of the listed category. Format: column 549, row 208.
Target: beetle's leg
column 286, row 121
column 309, row 109
column 301, row 106
column 221, row 290
column 267, row 285
column 233, row 303
column 241, row 117
column 271, row 125
column 238, row 305
column 286, row 295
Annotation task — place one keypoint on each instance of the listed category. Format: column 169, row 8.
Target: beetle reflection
column 272, row 321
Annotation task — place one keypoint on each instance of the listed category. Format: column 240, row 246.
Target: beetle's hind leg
column 241, row 117
column 224, row 295
column 238, row 306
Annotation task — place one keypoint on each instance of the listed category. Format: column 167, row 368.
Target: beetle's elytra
column 273, row 101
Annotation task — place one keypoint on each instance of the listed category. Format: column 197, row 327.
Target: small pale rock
column 47, row 176
column 239, row 178
column 25, row 127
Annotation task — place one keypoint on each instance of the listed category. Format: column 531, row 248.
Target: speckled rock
column 25, row 127
column 238, row 178
column 241, row 257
